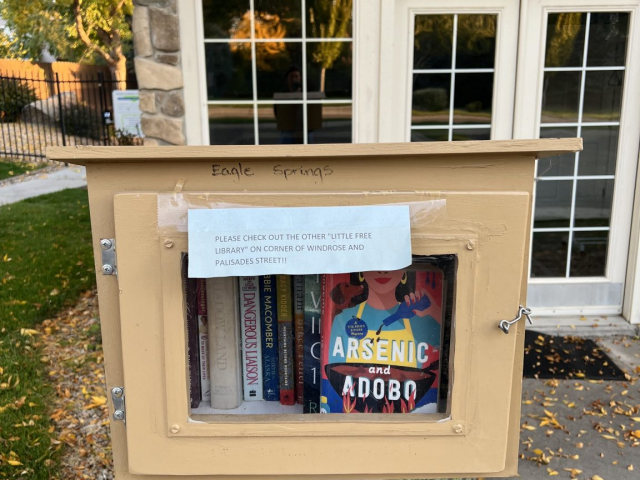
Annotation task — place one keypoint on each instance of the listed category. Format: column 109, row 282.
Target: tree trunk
column 119, row 72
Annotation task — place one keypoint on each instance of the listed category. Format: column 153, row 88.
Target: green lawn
column 46, row 262
column 10, row 169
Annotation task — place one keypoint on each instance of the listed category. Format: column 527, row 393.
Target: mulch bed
column 547, row 356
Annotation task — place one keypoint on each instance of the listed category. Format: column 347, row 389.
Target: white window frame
column 584, row 295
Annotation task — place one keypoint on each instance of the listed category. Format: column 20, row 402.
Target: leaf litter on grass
column 73, row 354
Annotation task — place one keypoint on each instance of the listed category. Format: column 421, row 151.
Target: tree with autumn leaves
column 89, row 31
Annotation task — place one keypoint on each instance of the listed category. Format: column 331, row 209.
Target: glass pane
column 472, row 98
column 553, row 203
column 281, row 123
column 433, row 41
column 226, row 18
column 589, row 254
column 329, row 70
column 464, row 134
column 329, row 18
column 602, row 96
column 593, row 203
column 231, row 125
column 549, row 254
column 277, row 19
column 430, row 135
column 565, row 39
column 228, row 71
column 476, row 41
column 329, row 123
column 430, row 100
column 600, row 151
column 560, row 165
column 608, row 33
column 279, row 73
column 561, row 96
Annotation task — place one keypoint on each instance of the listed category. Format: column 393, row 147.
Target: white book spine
column 203, row 342
column 251, row 338
column 224, row 343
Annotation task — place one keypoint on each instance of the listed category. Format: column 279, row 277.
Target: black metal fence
column 41, row 111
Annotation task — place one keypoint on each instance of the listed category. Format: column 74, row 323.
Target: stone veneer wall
column 156, row 38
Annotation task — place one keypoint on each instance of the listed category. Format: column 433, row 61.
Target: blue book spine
column 269, row 325
column 312, row 312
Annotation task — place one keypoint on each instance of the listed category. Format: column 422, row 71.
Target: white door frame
column 531, row 59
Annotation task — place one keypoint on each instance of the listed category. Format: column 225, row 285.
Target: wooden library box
column 316, row 311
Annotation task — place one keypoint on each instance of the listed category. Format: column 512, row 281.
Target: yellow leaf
column 609, row 437
column 597, row 477
column 635, row 419
column 529, row 427
column 537, row 451
column 580, row 375
column 54, row 292
column 99, row 400
column 552, row 472
column 15, row 463
column 28, row 332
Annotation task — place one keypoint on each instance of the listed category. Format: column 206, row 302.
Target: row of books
column 341, row 343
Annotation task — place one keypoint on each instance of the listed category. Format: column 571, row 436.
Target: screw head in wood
column 117, row 392
column 107, row 269
column 118, row 415
column 168, row 243
column 175, row 428
column 106, row 244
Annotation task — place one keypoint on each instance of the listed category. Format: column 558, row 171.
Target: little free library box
column 313, row 311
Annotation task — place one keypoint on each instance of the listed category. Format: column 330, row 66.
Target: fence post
column 64, row 133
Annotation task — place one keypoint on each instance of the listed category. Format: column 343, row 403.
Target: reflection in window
column 582, row 97
column 295, row 80
column 453, row 76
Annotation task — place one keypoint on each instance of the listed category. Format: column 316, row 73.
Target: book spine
column 285, row 340
column 269, row 324
column 298, row 328
column 203, row 340
column 312, row 300
column 193, row 351
column 224, row 343
column 251, row 343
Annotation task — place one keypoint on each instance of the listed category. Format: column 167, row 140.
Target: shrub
column 15, row 94
column 431, row 99
column 81, row 120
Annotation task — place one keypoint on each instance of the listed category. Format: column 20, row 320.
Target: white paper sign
column 126, row 111
column 298, row 241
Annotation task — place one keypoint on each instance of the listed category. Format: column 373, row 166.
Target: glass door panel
column 582, row 211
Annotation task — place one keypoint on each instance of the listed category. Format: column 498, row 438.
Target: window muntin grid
column 583, row 84
column 247, row 70
column 453, row 77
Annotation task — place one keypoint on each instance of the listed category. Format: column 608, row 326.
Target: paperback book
column 189, row 286
column 224, row 343
column 381, row 335
column 298, row 328
column 312, row 305
column 251, row 342
column 285, row 340
column 203, row 340
column 269, row 324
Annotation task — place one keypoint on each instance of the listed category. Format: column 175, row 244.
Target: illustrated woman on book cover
column 384, row 332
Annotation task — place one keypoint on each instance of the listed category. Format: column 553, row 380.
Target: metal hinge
column 117, row 398
column 109, row 265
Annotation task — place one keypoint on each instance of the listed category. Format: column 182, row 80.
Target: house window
column 453, row 73
column 278, row 71
column 582, row 91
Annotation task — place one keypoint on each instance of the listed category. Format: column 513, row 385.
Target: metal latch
column 109, row 266
column 522, row 312
column 117, row 398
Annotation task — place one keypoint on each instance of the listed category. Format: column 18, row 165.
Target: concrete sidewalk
column 583, row 428
column 41, row 184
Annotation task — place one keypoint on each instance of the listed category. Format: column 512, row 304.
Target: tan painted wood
column 83, row 155
column 488, row 199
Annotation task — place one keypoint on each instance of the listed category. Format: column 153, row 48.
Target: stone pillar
column 156, row 39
